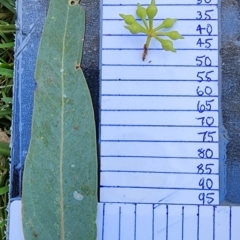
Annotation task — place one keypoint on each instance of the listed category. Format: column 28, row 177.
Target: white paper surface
column 159, row 117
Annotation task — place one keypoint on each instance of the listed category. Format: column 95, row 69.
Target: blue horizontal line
column 146, row 125
column 155, row 65
column 123, row 5
column 198, row 189
column 151, row 80
column 162, row 19
column 160, row 49
column 158, row 203
column 186, row 35
column 156, row 95
column 151, row 110
column 155, row 172
column 157, row 141
column 121, row 156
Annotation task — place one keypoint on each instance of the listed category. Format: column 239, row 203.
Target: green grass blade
column 5, row 112
column 7, row 45
column 10, row 28
column 8, row 4
column 5, row 15
column 3, row 190
column 6, row 72
column 3, row 223
column 2, row 61
column 6, row 38
column 7, row 100
column 4, row 149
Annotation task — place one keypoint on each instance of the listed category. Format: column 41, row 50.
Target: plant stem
column 158, row 38
column 162, row 34
column 145, row 23
column 150, row 24
column 157, row 28
column 148, row 41
column 146, row 45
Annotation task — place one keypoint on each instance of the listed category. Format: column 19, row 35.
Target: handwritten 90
column 204, row 30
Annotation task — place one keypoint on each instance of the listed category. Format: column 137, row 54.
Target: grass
column 7, row 30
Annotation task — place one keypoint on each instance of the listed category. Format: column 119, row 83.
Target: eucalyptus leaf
column 59, row 194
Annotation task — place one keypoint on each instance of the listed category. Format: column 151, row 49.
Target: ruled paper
column 159, row 117
column 153, row 221
column 167, row 222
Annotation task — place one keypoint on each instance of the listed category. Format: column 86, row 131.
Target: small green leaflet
column 59, row 199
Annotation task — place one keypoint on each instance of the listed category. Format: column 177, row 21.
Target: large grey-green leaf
column 59, row 199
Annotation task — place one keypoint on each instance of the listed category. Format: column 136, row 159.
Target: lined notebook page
column 167, row 222
column 159, row 117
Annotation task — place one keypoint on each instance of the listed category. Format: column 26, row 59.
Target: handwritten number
column 199, row 42
column 208, row 153
column 206, row 121
column 206, row 184
column 207, row 136
column 203, row 61
column 201, row 183
column 208, row 29
column 200, row 169
column 204, row 107
column 206, row 198
column 207, row 91
column 205, row 1
column 199, row 76
column 206, row 170
column 207, row 16
column 209, row 198
column 201, row 197
column 199, row 14
column 206, row 43
column 207, row 77
column 200, row 29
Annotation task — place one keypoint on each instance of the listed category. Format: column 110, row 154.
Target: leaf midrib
column 62, row 225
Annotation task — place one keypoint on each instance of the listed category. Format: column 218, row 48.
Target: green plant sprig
column 151, row 11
